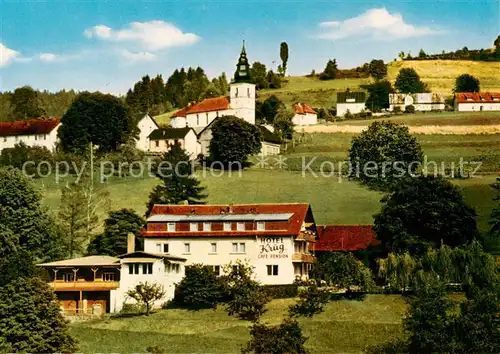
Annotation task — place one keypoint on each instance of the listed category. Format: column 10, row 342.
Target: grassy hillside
column 344, row 327
column 440, row 75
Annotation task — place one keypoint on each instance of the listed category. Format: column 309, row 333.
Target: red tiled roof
column 345, row 237
column 300, row 212
column 207, row 105
column 302, row 108
column 28, row 127
column 477, row 97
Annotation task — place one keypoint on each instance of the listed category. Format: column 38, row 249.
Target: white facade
column 263, row 253
column 270, row 149
column 242, row 97
column 200, row 120
column 44, row 140
column 189, row 143
column 353, row 108
column 305, row 119
column 163, row 272
column 146, row 126
column 477, row 106
column 423, row 102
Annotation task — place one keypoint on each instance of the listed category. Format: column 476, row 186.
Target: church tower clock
column 243, row 90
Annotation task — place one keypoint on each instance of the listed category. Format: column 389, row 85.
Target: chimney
column 130, row 243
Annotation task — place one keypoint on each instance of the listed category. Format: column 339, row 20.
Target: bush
column 283, row 339
column 410, row 109
column 21, row 153
column 311, row 302
column 397, row 110
column 200, row 288
column 282, row 291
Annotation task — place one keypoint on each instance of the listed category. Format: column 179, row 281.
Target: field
column 345, row 327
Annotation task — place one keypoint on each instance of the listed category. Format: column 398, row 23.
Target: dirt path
column 424, row 129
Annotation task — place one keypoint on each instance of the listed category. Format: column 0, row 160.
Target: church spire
column 242, row 73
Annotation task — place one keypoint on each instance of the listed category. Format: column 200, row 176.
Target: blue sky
column 108, row 45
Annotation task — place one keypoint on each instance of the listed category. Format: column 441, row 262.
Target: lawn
column 345, row 327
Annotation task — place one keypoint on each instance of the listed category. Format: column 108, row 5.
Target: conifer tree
column 178, row 181
column 72, row 217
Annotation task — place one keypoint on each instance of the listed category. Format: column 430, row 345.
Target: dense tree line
column 28, row 103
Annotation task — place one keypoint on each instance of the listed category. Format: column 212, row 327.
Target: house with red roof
column 276, row 239
column 477, row 101
column 304, row 115
column 33, row 132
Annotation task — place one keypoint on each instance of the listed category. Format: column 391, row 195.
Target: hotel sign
column 272, row 248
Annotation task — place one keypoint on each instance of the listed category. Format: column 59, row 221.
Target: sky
column 109, row 45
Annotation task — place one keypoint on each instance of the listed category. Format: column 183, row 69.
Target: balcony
column 303, row 257
column 84, row 285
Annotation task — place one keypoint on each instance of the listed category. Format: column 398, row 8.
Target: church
column 240, row 103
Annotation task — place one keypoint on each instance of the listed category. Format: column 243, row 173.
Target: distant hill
column 438, row 74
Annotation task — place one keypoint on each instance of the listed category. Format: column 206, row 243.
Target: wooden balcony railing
column 84, row 285
column 303, row 257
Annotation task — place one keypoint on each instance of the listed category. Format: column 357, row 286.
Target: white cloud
column 7, row 55
column 137, row 56
column 376, row 23
column 151, row 36
column 49, row 57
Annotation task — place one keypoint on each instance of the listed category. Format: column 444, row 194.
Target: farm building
column 477, row 101
column 421, row 101
column 352, row 102
column 304, row 115
column 33, row 132
column 96, row 285
column 276, row 239
column 160, row 140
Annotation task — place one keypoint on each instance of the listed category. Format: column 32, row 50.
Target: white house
column 477, row 101
column 33, row 132
column 354, row 102
column 422, row 102
column 146, row 124
column 304, row 115
column 99, row 284
column 276, row 239
column 160, row 140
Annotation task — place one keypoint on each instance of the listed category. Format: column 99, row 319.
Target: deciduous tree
column 423, row 212
column 259, row 75
column 408, row 81
column 384, row 154
column 284, row 57
column 233, row 141
column 146, row 294
column 378, row 95
column 26, row 103
column 377, row 69
column 466, row 83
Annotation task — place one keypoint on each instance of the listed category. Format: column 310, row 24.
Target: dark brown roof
column 269, row 136
column 29, row 127
column 169, row 133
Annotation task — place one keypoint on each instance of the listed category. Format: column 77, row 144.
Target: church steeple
column 242, row 73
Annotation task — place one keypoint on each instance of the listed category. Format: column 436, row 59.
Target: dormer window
column 240, row 226
column 207, row 226
column 227, row 226
column 261, row 226
column 171, row 227
column 193, row 227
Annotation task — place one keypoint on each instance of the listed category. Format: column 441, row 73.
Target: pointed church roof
column 242, row 73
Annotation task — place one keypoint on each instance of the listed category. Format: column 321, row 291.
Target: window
column 213, row 247
column 36, row 137
column 236, row 92
column 193, row 226
column 261, row 226
column 227, row 226
column 217, row 270
column 69, row 277
column 187, row 248
column 157, row 143
column 165, row 248
column 206, row 226
column 158, row 247
column 242, row 247
column 248, row 92
column 44, row 136
column 197, row 119
column 133, row 268
column 177, row 267
column 5, row 139
column 147, row 268
column 272, row 270
column 235, row 247
column 171, row 226
column 240, row 226
column 239, row 248
column 108, row 276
